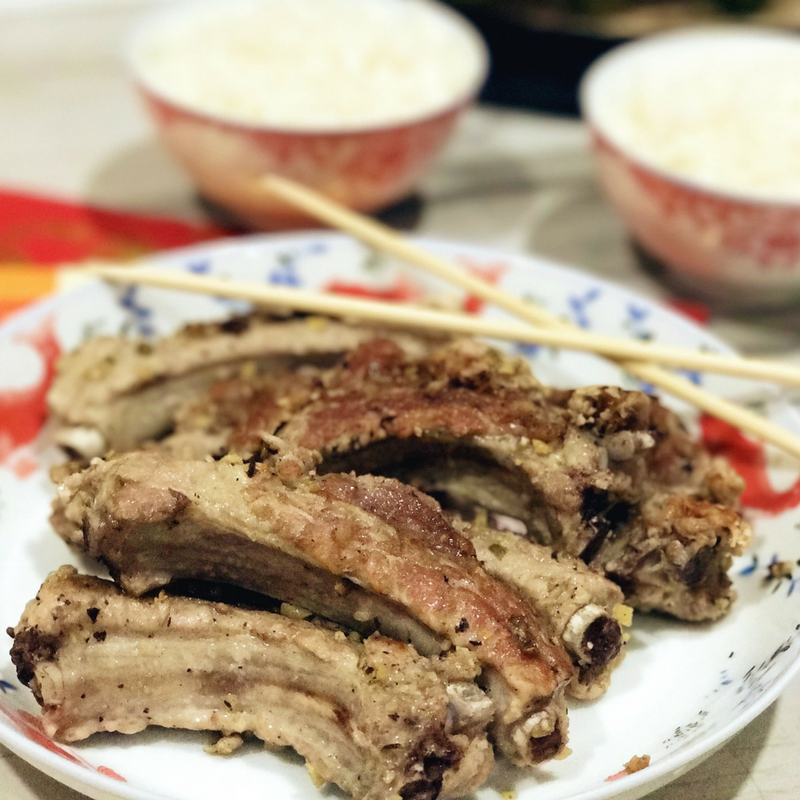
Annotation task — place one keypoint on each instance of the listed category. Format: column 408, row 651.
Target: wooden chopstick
column 383, row 238
column 408, row 316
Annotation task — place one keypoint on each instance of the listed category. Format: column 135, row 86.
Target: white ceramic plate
column 683, row 689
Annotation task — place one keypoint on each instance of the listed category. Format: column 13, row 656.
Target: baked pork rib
column 603, row 474
column 374, row 717
column 367, row 552
column 114, row 392
column 585, row 610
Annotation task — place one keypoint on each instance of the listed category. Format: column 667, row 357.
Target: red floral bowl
column 365, row 167
column 729, row 244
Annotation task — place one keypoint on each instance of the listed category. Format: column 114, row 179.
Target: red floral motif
column 109, row 773
column 749, row 459
column 365, row 170
column 23, row 466
column 31, row 727
column 23, row 411
column 491, row 272
column 695, row 311
column 768, row 234
column 402, row 290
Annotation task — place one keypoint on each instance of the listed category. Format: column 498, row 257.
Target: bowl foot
column 720, row 296
column 403, row 215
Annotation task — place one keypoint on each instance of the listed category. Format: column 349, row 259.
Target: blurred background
column 83, row 175
column 517, row 174
column 541, row 48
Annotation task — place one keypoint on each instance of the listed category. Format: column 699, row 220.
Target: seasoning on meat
column 114, row 392
column 297, row 464
column 607, row 475
column 374, row 718
column 581, row 606
column 365, row 551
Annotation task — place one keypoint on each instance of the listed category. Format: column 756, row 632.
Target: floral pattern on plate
column 31, row 728
column 737, row 666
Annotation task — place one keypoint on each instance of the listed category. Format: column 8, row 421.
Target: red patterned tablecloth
column 38, row 235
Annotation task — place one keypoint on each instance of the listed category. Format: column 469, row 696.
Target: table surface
column 72, row 128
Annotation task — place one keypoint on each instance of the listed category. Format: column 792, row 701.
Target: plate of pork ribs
column 284, row 555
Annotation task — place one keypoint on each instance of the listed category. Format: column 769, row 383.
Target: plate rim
column 680, row 761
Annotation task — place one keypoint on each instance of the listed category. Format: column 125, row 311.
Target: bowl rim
column 254, row 129
column 153, row 20
column 588, row 104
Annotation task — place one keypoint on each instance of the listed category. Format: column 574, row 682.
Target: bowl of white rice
column 354, row 98
column 697, row 139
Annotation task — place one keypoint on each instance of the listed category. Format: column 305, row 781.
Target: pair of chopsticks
column 638, row 358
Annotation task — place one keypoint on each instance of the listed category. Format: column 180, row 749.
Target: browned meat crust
column 359, row 550
column 583, row 607
column 674, row 550
column 114, row 393
column 465, row 390
column 373, row 717
column 599, row 473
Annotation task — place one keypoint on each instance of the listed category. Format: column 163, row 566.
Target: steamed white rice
column 312, row 64
column 720, row 109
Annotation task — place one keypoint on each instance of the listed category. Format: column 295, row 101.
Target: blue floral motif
column 6, row 687
column 317, row 248
column 636, row 317
column 638, row 313
column 285, row 272
column 140, row 315
column 751, row 567
column 776, row 577
column 648, row 388
column 579, row 304
column 527, row 350
column 747, row 687
column 199, row 267
column 691, row 375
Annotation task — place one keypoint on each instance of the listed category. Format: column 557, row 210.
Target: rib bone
column 114, row 392
column 374, row 718
column 364, row 551
column 582, row 606
column 599, row 473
